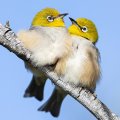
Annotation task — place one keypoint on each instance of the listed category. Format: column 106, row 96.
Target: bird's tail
column 36, row 88
column 53, row 104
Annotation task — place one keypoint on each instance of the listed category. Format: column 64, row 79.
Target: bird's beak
column 74, row 22
column 62, row 15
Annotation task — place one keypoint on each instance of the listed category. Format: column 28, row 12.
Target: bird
column 47, row 40
column 81, row 67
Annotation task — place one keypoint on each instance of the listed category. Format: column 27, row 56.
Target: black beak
column 62, row 15
column 74, row 22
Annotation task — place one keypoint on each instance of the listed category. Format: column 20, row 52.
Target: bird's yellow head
column 84, row 28
column 49, row 17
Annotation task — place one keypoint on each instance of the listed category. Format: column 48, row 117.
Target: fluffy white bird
column 48, row 40
column 81, row 67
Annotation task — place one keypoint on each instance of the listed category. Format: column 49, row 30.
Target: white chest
column 50, row 45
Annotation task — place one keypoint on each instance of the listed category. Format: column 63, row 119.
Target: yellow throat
column 84, row 28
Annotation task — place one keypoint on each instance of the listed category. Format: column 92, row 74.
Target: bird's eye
column 50, row 18
column 84, row 29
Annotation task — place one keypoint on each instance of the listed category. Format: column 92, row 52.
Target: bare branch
column 9, row 40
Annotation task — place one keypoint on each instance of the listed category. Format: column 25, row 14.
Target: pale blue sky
column 14, row 78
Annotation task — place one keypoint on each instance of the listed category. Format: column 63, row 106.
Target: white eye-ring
column 84, row 29
column 50, row 18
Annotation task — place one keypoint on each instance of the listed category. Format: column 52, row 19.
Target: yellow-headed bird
column 81, row 67
column 48, row 40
